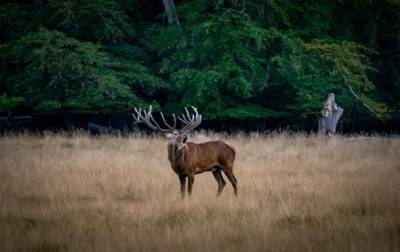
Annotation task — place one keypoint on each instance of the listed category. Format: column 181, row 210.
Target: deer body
column 188, row 159
column 192, row 159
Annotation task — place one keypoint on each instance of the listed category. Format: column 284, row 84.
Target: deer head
column 176, row 137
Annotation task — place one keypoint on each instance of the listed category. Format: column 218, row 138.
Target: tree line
column 234, row 60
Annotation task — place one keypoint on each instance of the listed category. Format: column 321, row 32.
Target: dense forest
column 266, row 60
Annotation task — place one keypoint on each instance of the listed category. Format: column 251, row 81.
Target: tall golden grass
column 82, row 193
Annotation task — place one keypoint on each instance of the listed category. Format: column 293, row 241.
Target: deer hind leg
column 190, row 184
column 220, row 180
column 229, row 174
column 182, row 179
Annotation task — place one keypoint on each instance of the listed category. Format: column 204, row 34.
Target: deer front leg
column 190, row 184
column 182, row 179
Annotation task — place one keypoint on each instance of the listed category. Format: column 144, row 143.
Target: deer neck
column 176, row 156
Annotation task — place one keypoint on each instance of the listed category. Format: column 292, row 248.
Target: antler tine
column 188, row 115
column 135, row 116
column 191, row 127
column 139, row 118
column 186, row 119
column 167, row 124
column 150, row 118
column 183, row 119
column 147, row 119
column 173, row 115
column 194, row 122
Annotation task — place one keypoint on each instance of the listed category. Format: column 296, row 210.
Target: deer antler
column 147, row 118
column 190, row 121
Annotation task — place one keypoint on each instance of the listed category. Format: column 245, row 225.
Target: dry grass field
column 296, row 193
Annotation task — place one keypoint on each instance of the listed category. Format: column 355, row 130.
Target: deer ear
column 184, row 138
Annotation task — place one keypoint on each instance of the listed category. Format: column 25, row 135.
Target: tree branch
column 356, row 96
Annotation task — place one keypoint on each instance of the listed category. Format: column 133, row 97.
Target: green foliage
column 349, row 62
column 348, row 59
column 57, row 72
column 8, row 103
column 251, row 111
column 15, row 19
column 252, row 59
column 98, row 20
column 219, row 67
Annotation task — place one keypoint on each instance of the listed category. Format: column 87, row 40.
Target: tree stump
column 330, row 116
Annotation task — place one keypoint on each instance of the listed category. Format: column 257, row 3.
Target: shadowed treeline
column 114, row 124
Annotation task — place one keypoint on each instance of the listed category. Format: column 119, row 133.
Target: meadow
column 296, row 193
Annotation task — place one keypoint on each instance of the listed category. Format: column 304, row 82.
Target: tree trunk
column 170, row 11
column 330, row 116
column 261, row 19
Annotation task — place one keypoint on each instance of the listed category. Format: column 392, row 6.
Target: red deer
column 188, row 159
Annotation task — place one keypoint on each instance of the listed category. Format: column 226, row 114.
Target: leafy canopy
column 233, row 59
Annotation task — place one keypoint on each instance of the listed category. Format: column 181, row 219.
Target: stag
column 188, row 159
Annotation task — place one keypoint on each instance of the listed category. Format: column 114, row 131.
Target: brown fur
column 192, row 159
